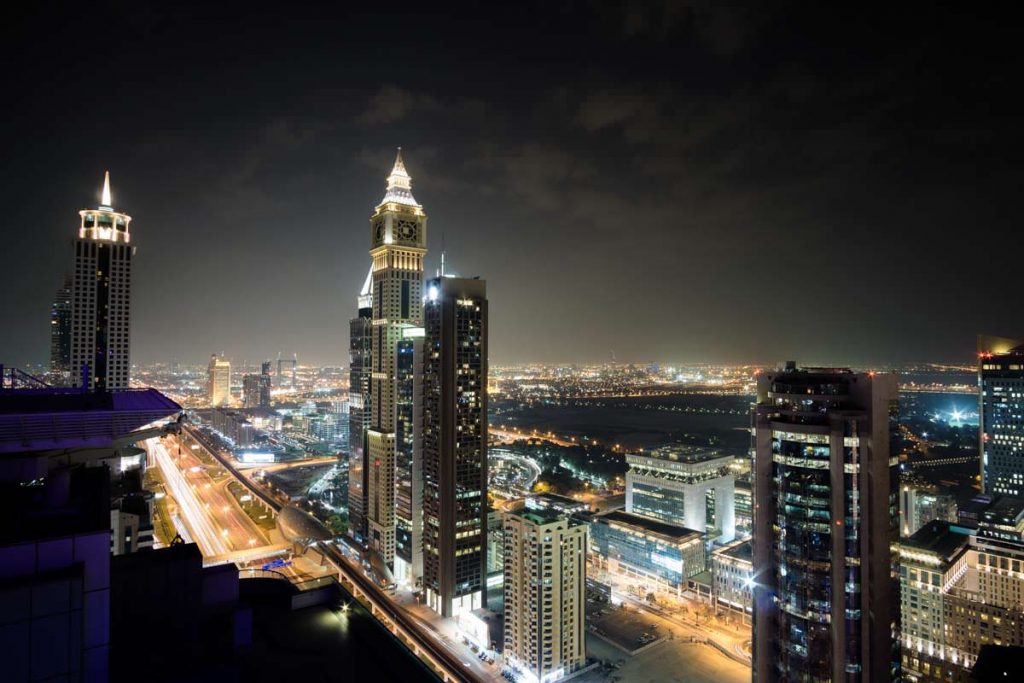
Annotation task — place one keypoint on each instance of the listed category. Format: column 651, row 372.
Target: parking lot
column 626, row 628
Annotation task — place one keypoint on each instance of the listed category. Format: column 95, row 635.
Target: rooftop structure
column 684, row 485
column 60, row 419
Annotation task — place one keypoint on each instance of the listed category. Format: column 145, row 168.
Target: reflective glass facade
column 825, row 527
column 1001, row 380
column 649, row 551
column 454, row 444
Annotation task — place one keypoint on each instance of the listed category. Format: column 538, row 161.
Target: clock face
column 407, row 230
column 378, row 230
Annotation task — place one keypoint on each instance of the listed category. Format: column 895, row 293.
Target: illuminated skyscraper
column 398, row 234
column 256, row 389
column 408, row 477
column 218, row 381
column 1001, row 407
column 60, row 335
column 454, row 444
column 360, row 369
column 826, row 527
column 101, row 297
column 545, row 594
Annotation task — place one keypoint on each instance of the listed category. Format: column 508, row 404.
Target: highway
column 426, row 639
column 423, row 639
column 213, row 517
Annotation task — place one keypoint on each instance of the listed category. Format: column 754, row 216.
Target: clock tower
column 398, row 246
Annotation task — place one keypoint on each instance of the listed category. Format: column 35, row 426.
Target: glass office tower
column 826, row 525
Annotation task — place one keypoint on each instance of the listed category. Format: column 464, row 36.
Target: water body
column 720, row 421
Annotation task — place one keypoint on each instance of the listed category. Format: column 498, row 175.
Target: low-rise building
column 732, row 568
column 642, row 555
column 684, row 485
column 962, row 589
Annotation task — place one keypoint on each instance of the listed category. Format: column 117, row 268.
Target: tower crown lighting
column 399, row 189
column 104, row 223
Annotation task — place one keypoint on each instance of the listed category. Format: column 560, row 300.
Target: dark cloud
column 674, row 181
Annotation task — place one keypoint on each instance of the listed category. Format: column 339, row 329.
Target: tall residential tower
column 454, row 445
column 398, row 238
column 826, row 527
column 545, row 593
column 101, row 298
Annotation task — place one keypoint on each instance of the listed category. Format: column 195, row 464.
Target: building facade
column 642, row 555
column 545, row 594
column 454, row 444
column 960, row 590
column 60, row 334
column 743, row 506
column 408, row 482
column 218, row 381
column 359, row 398
column 732, row 569
column 684, row 486
column 101, row 298
column 1001, row 411
column 921, row 503
column 256, row 390
column 398, row 234
column 825, row 516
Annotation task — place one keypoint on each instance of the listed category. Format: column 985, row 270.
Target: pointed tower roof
column 365, row 299
column 105, row 200
column 399, row 184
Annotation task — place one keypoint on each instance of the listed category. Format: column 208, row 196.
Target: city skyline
column 709, row 147
column 740, row 412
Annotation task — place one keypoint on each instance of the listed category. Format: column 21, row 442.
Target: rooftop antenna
column 105, row 200
column 440, row 273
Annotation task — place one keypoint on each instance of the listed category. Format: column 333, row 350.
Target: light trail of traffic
column 203, row 531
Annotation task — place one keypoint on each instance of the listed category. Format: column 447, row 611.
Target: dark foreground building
column 826, row 598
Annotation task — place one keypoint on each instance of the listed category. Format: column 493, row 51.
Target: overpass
column 404, row 627
column 446, row 665
column 268, row 501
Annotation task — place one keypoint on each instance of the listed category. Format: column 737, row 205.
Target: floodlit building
column 360, row 369
column 218, row 381
column 643, row 555
column 685, row 486
column 826, row 526
column 398, row 235
column 961, row 590
column 545, row 594
column 101, row 298
column 1001, row 410
column 732, row 569
column 920, row 503
column 454, row 444
column 553, row 501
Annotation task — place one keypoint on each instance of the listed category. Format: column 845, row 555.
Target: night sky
column 661, row 181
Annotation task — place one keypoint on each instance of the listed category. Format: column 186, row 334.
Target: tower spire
column 106, row 190
column 399, row 184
